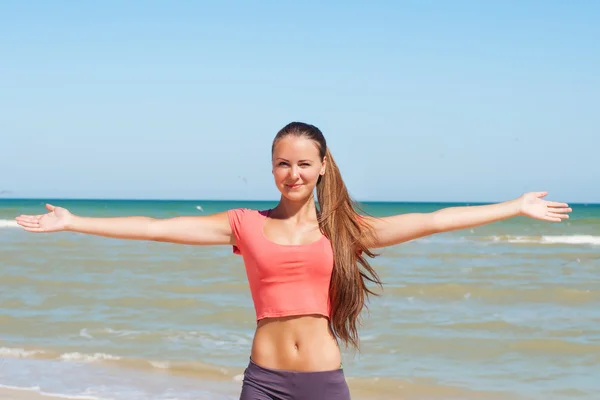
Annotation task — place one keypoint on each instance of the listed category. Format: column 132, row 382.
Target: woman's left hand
column 532, row 205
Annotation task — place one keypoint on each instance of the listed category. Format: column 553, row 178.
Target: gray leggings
column 262, row 383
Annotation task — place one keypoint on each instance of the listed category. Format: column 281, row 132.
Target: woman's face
column 297, row 166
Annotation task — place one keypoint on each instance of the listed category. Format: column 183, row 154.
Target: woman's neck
column 298, row 211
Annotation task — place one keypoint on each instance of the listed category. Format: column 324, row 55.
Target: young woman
column 307, row 267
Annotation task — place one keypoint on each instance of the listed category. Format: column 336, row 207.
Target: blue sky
column 419, row 101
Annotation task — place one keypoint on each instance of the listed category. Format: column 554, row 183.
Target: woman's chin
column 295, row 194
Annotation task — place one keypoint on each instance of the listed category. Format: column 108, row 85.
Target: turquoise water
column 509, row 310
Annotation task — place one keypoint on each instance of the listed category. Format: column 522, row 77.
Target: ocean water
column 508, row 310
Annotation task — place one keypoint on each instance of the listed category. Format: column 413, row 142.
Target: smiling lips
column 297, row 185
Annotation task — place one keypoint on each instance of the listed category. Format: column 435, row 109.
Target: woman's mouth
column 295, row 186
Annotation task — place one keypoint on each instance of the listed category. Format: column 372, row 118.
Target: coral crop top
column 284, row 280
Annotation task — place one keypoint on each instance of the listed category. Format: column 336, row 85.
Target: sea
column 509, row 310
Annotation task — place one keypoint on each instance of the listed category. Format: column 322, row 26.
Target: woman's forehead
column 294, row 148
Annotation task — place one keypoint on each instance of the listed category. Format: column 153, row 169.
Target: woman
column 307, row 268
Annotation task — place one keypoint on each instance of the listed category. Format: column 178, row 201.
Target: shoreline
column 14, row 393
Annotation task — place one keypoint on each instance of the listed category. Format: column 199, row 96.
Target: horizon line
column 264, row 200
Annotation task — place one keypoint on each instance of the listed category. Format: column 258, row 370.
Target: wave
column 176, row 367
column 515, row 239
column 8, row 223
column 20, row 353
column 546, row 239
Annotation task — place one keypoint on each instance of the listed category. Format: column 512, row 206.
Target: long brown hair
column 350, row 239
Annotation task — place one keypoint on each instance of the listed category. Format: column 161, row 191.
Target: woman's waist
column 297, row 343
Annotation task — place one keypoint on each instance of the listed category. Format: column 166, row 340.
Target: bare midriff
column 297, row 343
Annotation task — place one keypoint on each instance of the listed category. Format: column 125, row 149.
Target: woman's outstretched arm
column 199, row 230
column 401, row 228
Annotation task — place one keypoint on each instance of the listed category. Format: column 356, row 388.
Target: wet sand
column 25, row 394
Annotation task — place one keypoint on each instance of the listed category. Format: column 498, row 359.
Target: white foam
column 22, row 353
column 123, row 332
column 84, row 333
column 88, row 357
column 565, row 239
column 18, row 352
column 160, row 364
column 8, row 223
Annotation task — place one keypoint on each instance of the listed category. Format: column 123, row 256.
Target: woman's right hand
column 197, row 230
column 58, row 219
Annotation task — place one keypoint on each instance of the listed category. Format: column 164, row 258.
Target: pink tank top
column 284, row 280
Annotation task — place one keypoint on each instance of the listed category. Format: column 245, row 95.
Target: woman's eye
column 282, row 163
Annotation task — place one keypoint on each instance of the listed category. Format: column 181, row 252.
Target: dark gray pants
column 262, row 383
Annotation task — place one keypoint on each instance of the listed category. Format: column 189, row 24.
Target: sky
column 418, row 100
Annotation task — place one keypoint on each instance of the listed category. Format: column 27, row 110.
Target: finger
column 27, row 218
column 558, row 215
column 541, row 194
column 34, row 230
column 560, row 210
column 50, row 207
column 552, row 219
column 29, row 224
column 555, row 204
